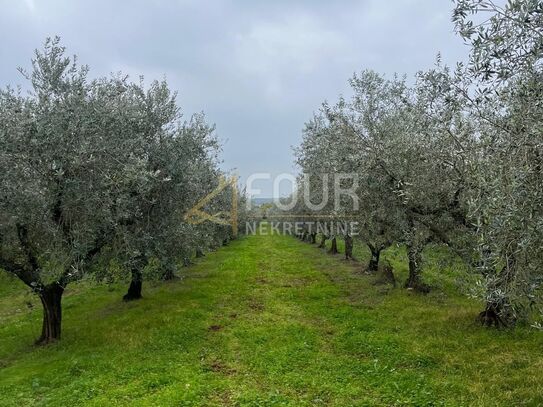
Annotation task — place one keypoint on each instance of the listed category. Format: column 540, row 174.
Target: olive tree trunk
column 414, row 281
column 134, row 290
column 333, row 249
column 492, row 315
column 496, row 312
column 169, row 274
column 51, row 298
column 348, row 247
column 373, row 265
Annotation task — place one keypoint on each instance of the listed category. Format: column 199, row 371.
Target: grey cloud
column 258, row 69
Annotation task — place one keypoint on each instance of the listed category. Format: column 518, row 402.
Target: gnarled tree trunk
column 134, row 290
column 333, row 249
column 348, row 247
column 497, row 313
column 373, row 265
column 414, row 281
column 388, row 274
column 491, row 316
column 169, row 273
column 51, row 297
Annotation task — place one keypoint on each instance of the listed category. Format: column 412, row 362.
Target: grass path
column 266, row 321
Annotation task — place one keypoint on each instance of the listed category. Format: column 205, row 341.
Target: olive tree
column 363, row 122
column 403, row 144
column 59, row 171
column 337, row 142
column 506, row 102
column 316, row 158
column 89, row 164
column 177, row 156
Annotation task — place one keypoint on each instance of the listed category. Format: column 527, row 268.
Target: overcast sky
column 257, row 69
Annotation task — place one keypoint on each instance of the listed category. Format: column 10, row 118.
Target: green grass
column 266, row 321
column 443, row 270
